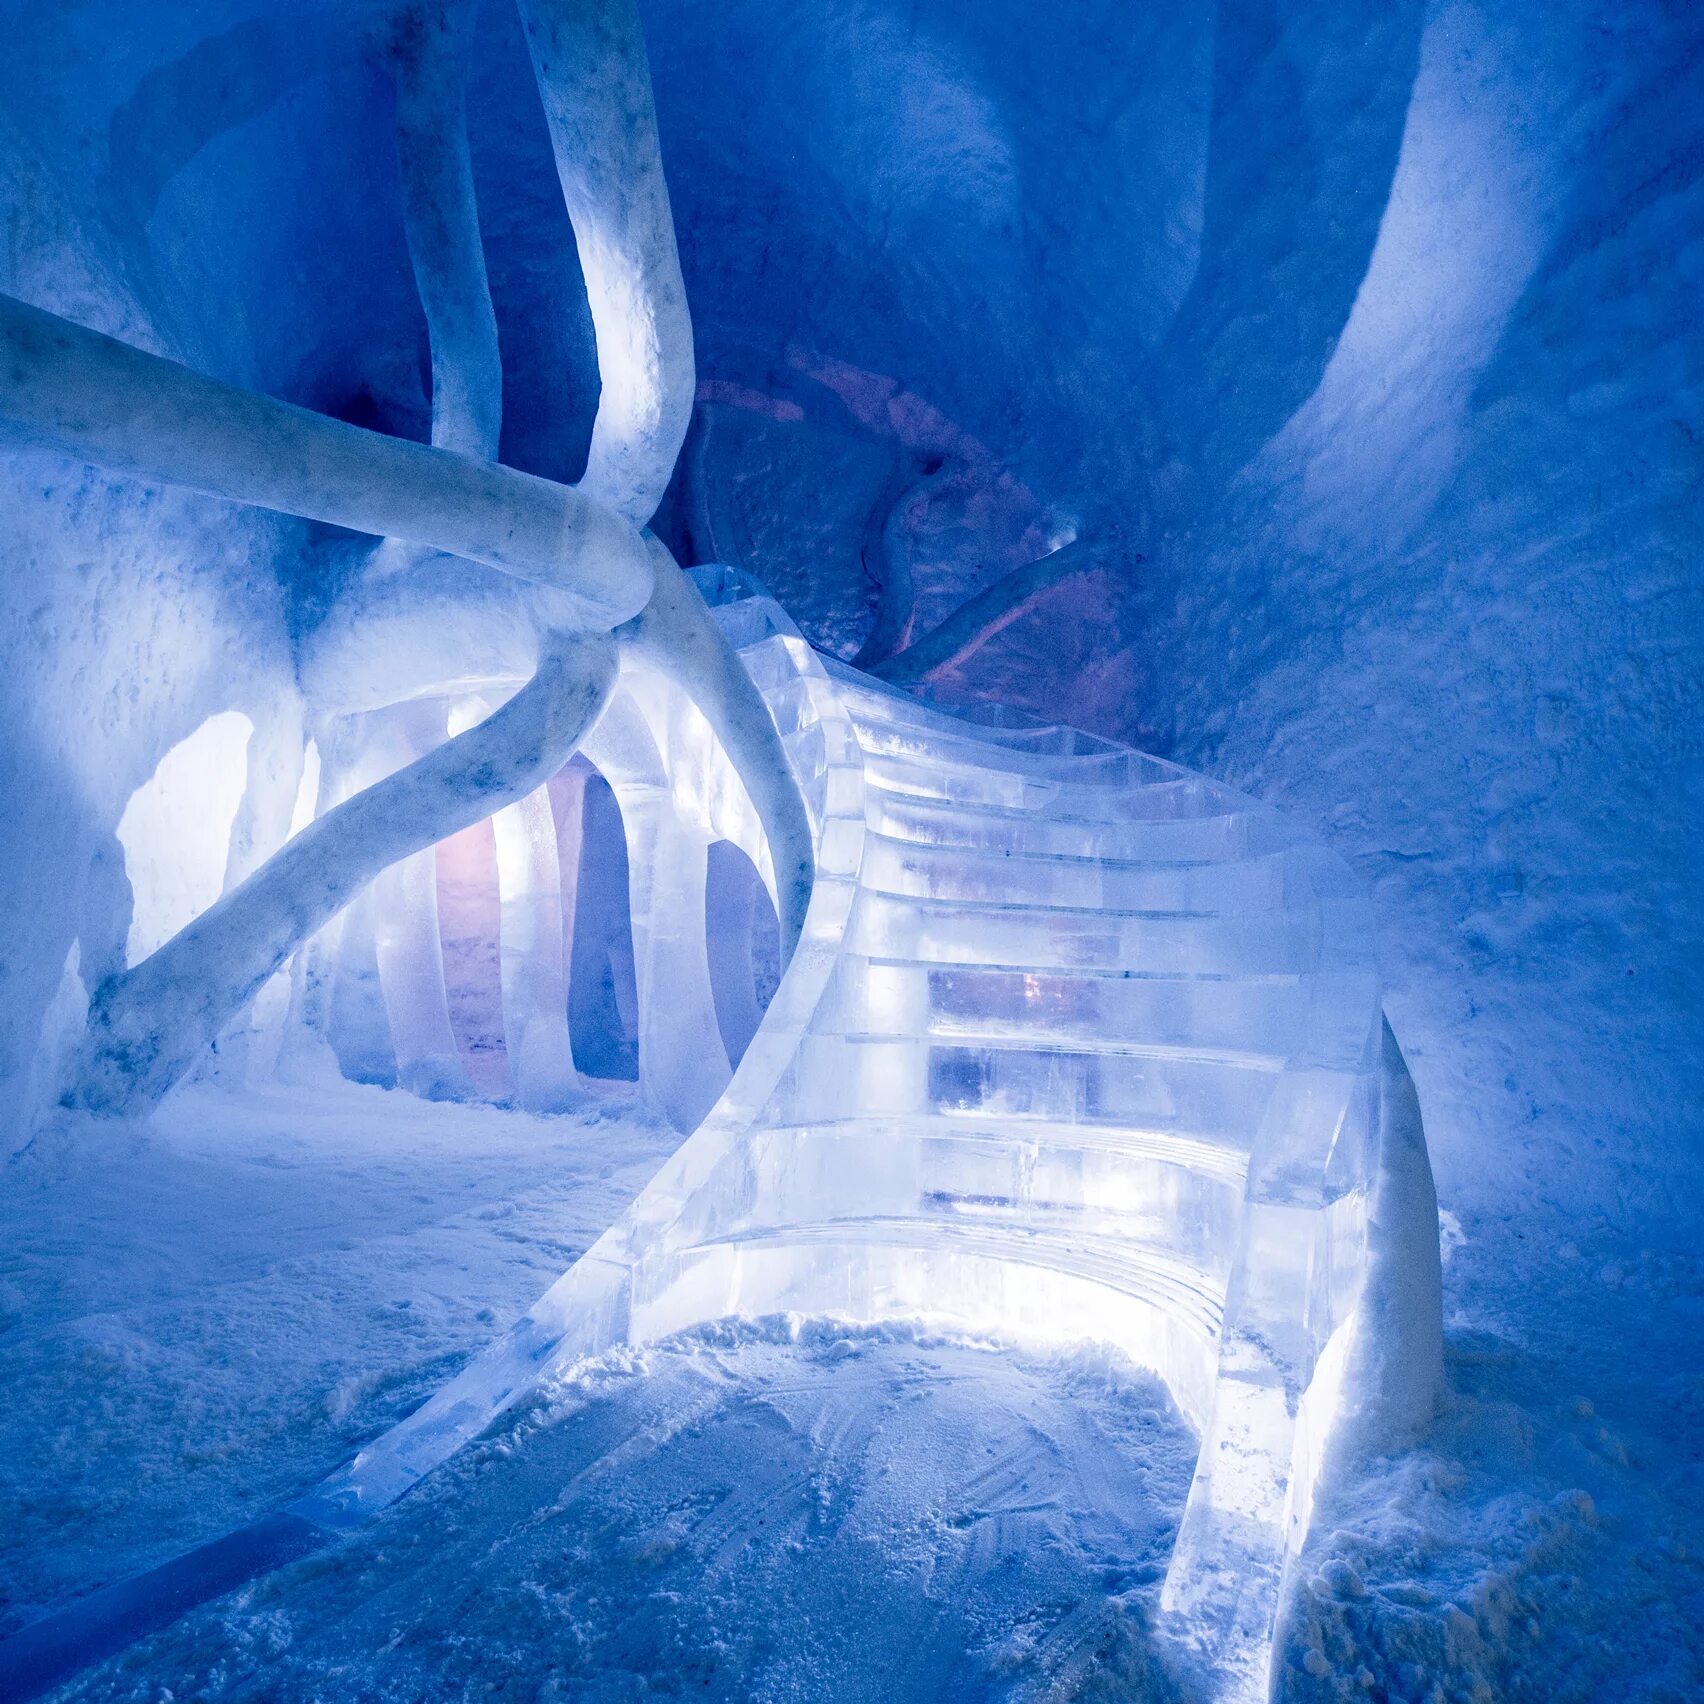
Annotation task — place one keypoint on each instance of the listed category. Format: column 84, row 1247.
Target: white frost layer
column 788, row 1511
column 199, row 1318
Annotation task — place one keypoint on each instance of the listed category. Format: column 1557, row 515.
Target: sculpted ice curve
column 1075, row 1044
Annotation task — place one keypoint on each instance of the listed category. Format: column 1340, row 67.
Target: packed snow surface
column 198, row 1320
column 207, row 1320
column 759, row 1511
column 778, row 1509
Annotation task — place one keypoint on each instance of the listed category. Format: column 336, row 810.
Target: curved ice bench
column 1077, row 1044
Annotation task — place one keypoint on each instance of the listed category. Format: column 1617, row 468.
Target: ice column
column 340, row 999
column 683, row 1065
column 535, row 972
column 532, row 931
column 404, row 914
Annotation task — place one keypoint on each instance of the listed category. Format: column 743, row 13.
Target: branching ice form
column 595, row 81
column 990, row 612
column 1070, row 1043
column 586, row 565
column 91, row 396
column 442, row 225
column 148, row 1026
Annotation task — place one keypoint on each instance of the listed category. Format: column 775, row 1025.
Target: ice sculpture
column 1076, row 1044
column 486, row 577
column 1071, row 1043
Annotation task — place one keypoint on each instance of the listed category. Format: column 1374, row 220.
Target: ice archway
column 176, row 830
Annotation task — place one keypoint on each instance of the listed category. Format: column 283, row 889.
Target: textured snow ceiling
column 1362, row 340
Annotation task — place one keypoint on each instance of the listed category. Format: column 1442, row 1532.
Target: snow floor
column 746, row 1512
column 199, row 1319
column 205, row 1317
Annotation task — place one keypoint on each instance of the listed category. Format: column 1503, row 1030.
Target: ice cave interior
column 852, row 851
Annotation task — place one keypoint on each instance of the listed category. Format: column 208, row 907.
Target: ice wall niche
column 176, row 830
column 525, row 942
column 580, row 1013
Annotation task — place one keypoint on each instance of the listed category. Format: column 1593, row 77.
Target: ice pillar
column 403, row 909
column 683, row 1066
column 532, row 952
column 534, row 960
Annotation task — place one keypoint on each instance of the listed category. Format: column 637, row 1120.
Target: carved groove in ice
column 1075, row 1044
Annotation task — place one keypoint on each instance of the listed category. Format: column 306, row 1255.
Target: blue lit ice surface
column 1077, row 1045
